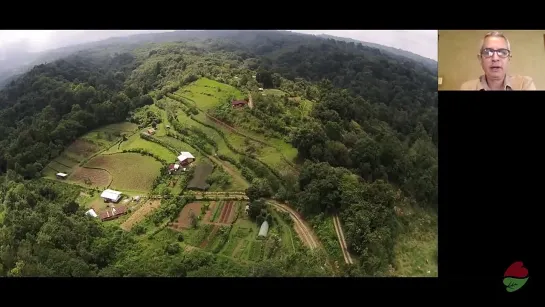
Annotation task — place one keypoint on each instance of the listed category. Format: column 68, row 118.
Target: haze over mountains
column 17, row 57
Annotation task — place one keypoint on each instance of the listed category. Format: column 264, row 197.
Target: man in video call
column 495, row 55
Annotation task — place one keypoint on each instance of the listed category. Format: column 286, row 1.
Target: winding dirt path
column 342, row 241
column 305, row 232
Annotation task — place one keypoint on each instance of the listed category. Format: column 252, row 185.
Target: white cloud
column 40, row 40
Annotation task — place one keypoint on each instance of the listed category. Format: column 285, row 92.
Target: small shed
column 260, row 89
column 111, row 195
column 264, row 229
column 168, row 126
column 61, row 176
column 92, row 213
column 151, row 131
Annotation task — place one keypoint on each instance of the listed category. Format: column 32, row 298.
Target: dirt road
column 305, row 232
column 342, row 241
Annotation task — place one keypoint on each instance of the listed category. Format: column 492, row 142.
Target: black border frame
column 485, row 163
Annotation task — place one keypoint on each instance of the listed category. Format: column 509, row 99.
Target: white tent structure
column 264, row 229
column 92, row 213
column 111, row 195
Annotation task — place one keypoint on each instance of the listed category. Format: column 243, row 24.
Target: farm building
column 91, row 213
column 185, row 158
column 61, row 175
column 151, row 131
column 113, row 213
column 260, row 89
column 238, row 103
column 173, row 168
column 168, row 126
column 264, row 229
column 111, row 195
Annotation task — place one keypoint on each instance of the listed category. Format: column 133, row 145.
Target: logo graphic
column 515, row 276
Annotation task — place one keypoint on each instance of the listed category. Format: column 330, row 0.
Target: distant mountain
column 14, row 65
column 432, row 64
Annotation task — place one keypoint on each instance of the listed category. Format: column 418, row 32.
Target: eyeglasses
column 502, row 53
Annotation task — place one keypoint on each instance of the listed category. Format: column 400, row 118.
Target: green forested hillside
column 334, row 129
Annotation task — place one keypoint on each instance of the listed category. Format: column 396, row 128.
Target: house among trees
column 185, row 158
column 111, row 196
column 113, row 213
column 61, row 176
column 151, row 131
column 238, row 103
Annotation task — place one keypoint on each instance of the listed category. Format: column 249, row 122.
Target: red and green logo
column 515, row 276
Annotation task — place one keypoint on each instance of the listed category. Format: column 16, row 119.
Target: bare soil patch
column 97, row 177
column 183, row 221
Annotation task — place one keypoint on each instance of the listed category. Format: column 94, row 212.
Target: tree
column 192, row 219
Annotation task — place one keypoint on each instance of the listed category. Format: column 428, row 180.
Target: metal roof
column 110, row 194
column 185, row 155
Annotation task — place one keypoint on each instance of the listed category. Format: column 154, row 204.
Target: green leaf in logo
column 513, row 284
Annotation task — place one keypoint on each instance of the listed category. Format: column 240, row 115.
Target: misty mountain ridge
column 430, row 63
column 13, row 64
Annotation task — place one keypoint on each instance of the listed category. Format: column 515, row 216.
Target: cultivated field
column 225, row 229
column 202, row 170
column 131, row 171
column 90, row 177
column 207, row 93
column 86, row 146
column 141, row 213
column 136, row 142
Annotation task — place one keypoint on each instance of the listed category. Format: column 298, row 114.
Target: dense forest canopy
column 366, row 141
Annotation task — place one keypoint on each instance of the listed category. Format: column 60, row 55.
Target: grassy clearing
column 181, row 146
column 136, row 142
column 131, row 171
column 273, row 92
column 209, row 93
column 416, row 246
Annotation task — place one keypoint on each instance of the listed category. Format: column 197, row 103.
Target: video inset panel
column 487, row 60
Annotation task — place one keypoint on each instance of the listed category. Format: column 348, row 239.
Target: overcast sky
column 422, row 42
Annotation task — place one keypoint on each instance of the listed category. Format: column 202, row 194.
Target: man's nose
column 495, row 56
